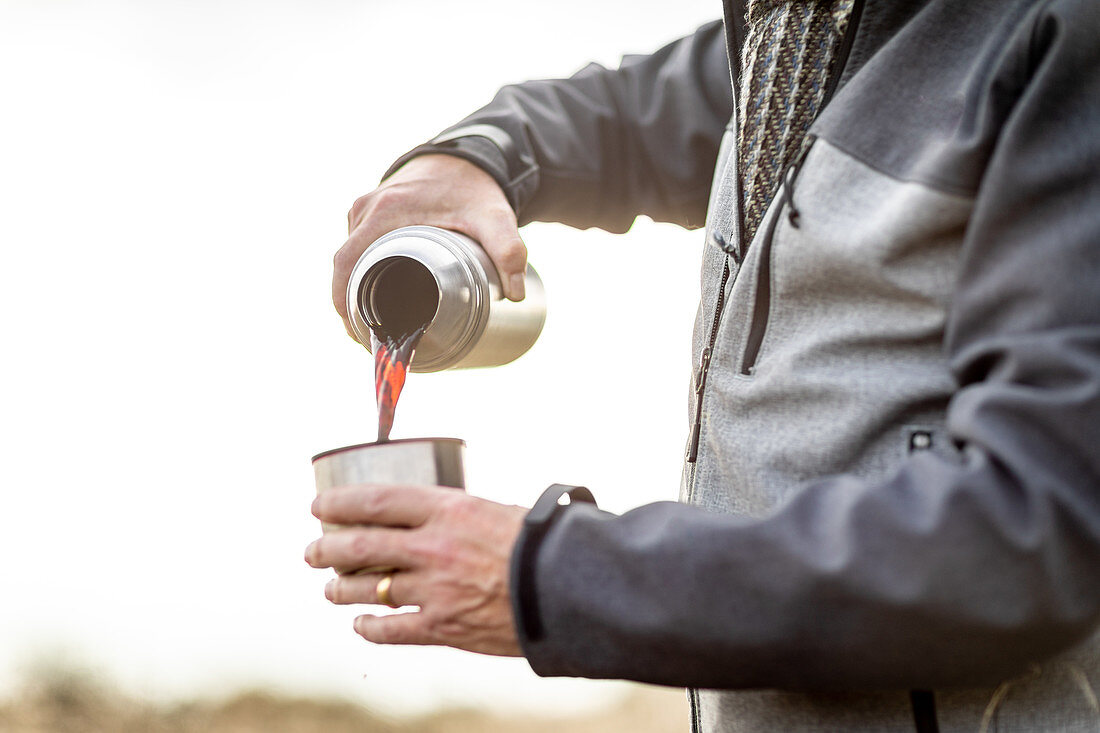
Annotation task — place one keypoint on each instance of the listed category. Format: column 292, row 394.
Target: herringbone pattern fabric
column 788, row 55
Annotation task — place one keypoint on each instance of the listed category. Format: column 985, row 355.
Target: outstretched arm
column 597, row 149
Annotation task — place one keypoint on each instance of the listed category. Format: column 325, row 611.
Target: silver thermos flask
column 423, row 274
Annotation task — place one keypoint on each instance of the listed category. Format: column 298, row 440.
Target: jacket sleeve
column 950, row 572
column 604, row 146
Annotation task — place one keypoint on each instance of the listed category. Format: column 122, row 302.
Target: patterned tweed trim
column 786, row 60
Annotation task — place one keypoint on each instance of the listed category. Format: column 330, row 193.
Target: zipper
column 762, row 305
column 704, row 368
column 704, row 365
column 732, row 32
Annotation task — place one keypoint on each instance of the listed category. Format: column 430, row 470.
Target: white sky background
column 174, row 179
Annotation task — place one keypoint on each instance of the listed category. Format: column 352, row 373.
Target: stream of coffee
column 392, row 356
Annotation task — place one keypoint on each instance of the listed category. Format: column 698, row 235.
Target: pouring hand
column 436, row 190
column 451, row 553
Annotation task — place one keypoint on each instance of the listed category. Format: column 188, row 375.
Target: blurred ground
column 77, row 702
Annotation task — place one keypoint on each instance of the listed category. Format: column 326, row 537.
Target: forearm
column 948, row 574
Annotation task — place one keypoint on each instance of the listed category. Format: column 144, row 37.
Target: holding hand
column 450, row 552
column 435, row 190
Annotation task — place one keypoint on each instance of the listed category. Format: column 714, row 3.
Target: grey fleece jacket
column 890, row 513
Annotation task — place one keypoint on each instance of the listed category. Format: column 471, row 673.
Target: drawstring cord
column 1086, row 687
column 793, row 215
column 994, row 703
column 1001, row 693
column 1079, row 678
column 787, row 188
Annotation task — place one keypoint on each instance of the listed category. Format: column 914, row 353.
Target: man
column 891, row 495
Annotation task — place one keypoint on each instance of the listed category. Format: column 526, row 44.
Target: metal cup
column 411, row 462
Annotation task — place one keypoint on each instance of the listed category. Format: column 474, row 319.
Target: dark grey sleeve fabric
column 604, row 146
column 948, row 573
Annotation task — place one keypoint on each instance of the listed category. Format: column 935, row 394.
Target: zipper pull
column 701, row 375
column 696, row 428
column 693, row 444
column 726, row 246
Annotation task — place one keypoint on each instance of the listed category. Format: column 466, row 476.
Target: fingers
column 362, row 547
column 398, row 628
column 371, row 216
column 498, row 232
column 343, row 263
column 393, row 506
column 423, row 628
column 349, row 589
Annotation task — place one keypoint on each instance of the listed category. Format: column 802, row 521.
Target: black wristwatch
column 535, row 526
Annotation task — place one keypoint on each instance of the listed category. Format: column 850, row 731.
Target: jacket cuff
column 523, row 579
column 491, row 149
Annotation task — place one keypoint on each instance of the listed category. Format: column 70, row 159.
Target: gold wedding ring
column 382, row 591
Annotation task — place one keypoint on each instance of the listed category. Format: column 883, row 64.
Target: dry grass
column 73, row 702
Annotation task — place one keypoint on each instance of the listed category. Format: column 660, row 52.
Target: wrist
column 523, row 577
column 487, row 148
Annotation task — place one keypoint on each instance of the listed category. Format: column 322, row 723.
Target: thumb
column 498, row 234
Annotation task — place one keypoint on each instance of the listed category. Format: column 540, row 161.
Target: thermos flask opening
column 399, row 294
column 425, row 275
